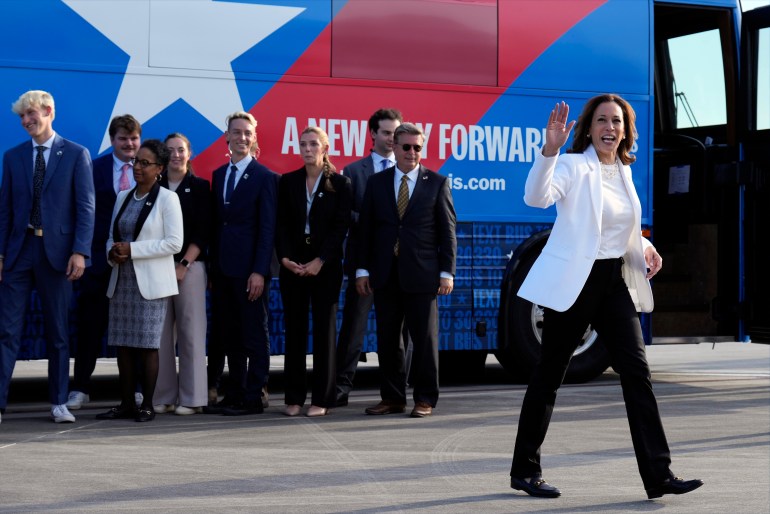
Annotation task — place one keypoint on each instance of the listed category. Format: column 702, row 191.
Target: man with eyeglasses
column 46, row 226
column 113, row 173
column 245, row 200
column 382, row 125
column 407, row 257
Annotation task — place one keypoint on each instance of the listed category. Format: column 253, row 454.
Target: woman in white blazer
column 147, row 230
column 594, row 269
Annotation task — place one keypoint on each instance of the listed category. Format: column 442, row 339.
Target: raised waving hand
column 557, row 131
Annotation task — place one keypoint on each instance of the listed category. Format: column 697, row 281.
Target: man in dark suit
column 113, row 173
column 244, row 195
column 355, row 314
column 46, row 226
column 408, row 253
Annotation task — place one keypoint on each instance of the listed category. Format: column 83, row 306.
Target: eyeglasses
column 407, row 147
column 144, row 163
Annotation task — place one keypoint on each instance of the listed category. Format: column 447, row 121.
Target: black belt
column 38, row 232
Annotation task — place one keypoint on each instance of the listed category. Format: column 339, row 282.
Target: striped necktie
column 401, row 203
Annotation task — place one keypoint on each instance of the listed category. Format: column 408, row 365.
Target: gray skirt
column 134, row 321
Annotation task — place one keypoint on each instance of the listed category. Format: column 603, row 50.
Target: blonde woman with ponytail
column 313, row 215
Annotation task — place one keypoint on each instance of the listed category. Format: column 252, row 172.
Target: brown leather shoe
column 386, row 407
column 421, row 409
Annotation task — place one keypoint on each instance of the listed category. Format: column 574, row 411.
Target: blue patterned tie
column 35, row 218
column 230, row 184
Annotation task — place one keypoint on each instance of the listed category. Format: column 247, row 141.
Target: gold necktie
column 401, row 203
column 403, row 197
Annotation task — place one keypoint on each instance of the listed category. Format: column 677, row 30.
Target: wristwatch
column 185, row 263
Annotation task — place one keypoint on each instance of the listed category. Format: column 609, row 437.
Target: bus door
column 695, row 204
column 754, row 170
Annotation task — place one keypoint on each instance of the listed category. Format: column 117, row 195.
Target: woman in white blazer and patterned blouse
column 594, row 269
column 147, row 230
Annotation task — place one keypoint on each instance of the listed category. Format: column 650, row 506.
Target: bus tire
column 519, row 338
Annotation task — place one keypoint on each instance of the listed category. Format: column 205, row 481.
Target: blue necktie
column 230, row 184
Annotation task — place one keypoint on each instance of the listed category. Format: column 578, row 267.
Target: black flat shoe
column 118, row 413
column 674, row 485
column 219, row 407
column 143, row 415
column 535, row 486
column 244, row 409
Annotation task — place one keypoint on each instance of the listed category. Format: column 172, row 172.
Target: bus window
column 417, row 41
column 698, row 79
column 763, row 80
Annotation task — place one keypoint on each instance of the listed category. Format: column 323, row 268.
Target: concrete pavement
column 715, row 406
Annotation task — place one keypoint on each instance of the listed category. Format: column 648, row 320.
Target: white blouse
column 617, row 214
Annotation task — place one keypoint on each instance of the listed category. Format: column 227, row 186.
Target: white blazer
column 573, row 182
column 153, row 251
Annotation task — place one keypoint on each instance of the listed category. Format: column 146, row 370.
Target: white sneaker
column 186, row 411
column 162, row 407
column 60, row 414
column 138, row 399
column 76, row 400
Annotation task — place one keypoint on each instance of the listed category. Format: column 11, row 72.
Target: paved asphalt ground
column 715, row 405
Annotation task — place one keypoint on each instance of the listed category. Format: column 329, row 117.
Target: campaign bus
column 479, row 77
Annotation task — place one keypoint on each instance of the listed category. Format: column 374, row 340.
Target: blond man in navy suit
column 46, row 226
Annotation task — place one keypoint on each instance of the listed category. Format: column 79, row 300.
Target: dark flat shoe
column 118, row 413
column 143, row 415
column 535, row 486
column 674, row 485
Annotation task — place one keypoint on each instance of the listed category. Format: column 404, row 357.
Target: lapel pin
column 425, row 177
column 148, row 204
column 59, row 152
column 187, row 190
column 321, row 194
column 245, row 176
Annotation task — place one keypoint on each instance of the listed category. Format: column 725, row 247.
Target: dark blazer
column 195, row 197
column 104, row 190
column 244, row 231
column 67, row 202
column 329, row 216
column 428, row 244
column 358, row 172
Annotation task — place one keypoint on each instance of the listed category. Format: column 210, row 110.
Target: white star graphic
column 180, row 49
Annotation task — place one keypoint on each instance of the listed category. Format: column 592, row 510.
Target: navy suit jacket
column 104, row 190
column 67, row 202
column 358, row 172
column 428, row 244
column 244, row 230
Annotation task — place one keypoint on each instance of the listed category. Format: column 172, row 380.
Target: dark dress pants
column 242, row 326
column 419, row 312
column 32, row 270
column 93, row 308
column 605, row 304
column 300, row 294
column 355, row 317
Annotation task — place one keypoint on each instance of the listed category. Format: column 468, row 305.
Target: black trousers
column 355, row 317
column 300, row 294
column 242, row 326
column 605, row 304
column 92, row 316
column 419, row 311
